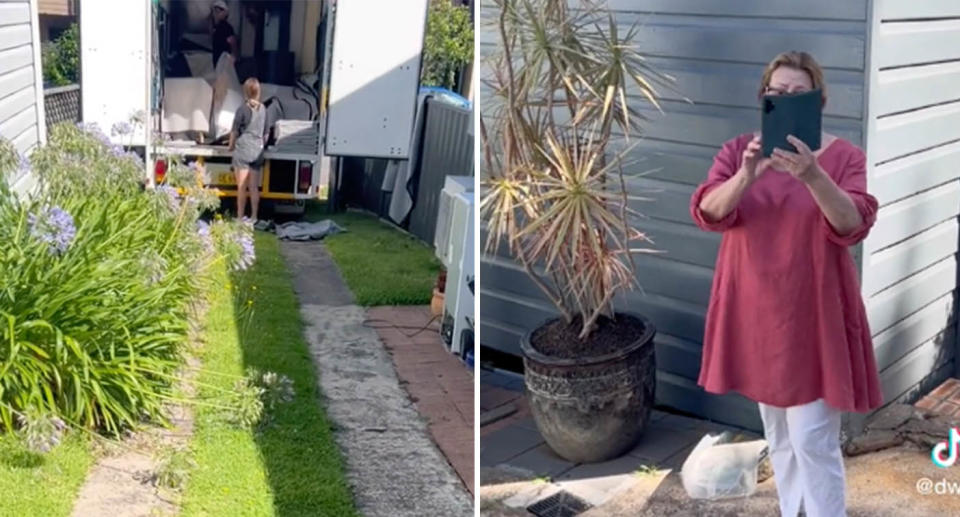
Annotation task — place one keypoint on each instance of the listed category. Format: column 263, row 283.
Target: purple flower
column 173, row 196
column 132, row 155
column 93, row 129
column 53, row 226
column 203, row 230
column 121, row 128
column 24, row 163
column 245, row 240
column 41, row 432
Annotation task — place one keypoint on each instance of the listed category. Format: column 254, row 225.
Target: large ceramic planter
column 592, row 409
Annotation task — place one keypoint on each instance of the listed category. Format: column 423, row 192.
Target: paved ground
column 517, row 469
column 440, row 385
column 393, row 466
column 943, row 400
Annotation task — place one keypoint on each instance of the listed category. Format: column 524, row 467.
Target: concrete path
column 393, row 466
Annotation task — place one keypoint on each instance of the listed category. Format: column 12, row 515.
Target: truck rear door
column 374, row 77
column 114, row 54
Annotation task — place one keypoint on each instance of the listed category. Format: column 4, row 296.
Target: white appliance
column 458, row 316
column 442, row 245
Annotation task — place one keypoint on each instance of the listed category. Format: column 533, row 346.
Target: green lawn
column 381, row 264
column 293, row 466
column 33, row 484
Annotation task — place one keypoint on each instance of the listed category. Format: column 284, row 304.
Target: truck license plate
column 226, row 178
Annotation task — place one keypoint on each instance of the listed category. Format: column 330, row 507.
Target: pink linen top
column 786, row 322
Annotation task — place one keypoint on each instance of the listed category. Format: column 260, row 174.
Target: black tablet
column 797, row 114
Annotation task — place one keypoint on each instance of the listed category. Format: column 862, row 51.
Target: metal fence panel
column 61, row 104
column 447, row 150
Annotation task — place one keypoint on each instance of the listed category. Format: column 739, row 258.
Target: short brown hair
column 251, row 88
column 801, row 61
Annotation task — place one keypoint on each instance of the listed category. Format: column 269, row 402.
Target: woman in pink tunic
column 786, row 324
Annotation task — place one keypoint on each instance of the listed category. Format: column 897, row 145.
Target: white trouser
column 807, row 462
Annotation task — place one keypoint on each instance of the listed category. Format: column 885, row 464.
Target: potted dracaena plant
column 566, row 85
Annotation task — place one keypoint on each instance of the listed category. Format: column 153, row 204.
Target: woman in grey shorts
column 246, row 143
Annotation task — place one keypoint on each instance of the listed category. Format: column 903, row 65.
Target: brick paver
column 439, row 384
column 943, row 400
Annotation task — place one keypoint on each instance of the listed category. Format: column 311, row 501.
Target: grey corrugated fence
column 447, row 151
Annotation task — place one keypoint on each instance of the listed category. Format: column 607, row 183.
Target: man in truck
column 224, row 37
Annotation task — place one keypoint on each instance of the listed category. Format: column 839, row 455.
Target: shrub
column 97, row 276
column 61, row 58
column 448, row 43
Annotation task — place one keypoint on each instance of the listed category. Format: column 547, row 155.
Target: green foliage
column 248, row 401
column 448, row 44
column 174, row 465
column 61, row 58
column 97, row 275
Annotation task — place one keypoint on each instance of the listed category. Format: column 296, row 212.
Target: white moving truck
column 346, row 73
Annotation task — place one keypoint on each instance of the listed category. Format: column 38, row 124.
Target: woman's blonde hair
column 251, row 89
column 801, row 61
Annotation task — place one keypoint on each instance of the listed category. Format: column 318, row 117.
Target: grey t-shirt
column 248, row 124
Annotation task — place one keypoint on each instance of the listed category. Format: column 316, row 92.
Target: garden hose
column 366, row 323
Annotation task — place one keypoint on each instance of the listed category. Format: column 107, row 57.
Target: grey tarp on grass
column 302, row 231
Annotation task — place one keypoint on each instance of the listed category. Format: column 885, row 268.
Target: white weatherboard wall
column 913, row 148
column 21, row 83
column 717, row 51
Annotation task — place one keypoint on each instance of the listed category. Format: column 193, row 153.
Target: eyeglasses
column 770, row 90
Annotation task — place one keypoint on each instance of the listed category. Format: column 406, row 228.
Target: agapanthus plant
column 203, row 231
column 121, row 128
column 259, row 394
column 94, row 336
column 93, row 129
column 278, row 389
column 154, row 267
column 248, row 254
column 40, row 431
column 54, row 226
column 237, row 243
column 171, row 195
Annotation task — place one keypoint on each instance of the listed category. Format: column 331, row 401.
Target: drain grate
column 561, row 504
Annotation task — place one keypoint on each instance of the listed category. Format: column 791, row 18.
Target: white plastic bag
column 717, row 469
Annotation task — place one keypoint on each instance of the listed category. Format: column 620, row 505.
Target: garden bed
column 101, row 285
